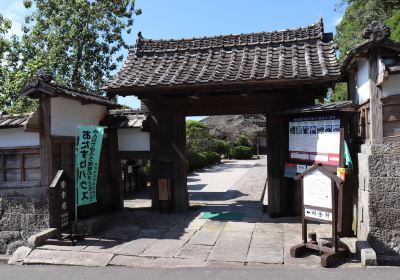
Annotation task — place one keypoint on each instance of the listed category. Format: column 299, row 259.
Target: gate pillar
column 168, row 159
column 280, row 195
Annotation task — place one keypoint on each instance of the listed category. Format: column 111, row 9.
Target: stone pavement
column 147, row 239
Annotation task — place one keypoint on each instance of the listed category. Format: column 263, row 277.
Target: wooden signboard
column 59, row 201
column 319, row 190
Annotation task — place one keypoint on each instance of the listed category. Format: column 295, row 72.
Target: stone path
column 147, row 239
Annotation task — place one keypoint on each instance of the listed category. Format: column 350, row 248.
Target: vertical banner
column 87, row 163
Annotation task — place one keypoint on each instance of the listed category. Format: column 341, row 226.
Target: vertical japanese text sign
column 87, row 163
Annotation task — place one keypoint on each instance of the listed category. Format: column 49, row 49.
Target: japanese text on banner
column 87, row 163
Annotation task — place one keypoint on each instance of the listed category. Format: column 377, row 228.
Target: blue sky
column 164, row 19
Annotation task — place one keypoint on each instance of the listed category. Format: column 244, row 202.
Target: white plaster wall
column 17, row 137
column 132, row 139
column 67, row 114
column 362, row 80
column 391, row 86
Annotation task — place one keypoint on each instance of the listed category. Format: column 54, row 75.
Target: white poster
column 315, row 139
column 317, row 190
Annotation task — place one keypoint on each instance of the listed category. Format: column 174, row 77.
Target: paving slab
column 214, row 225
column 205, row 237
column 239, row 226
column 143, row 240
column 194, row 252
column 168, row 244
column 292, row 237
column 68, row 258
column 67, row 246
column 19, row 255
column 231, row 246
column 132, row 261
column 121, row 232
column 266, row 245
column 105, row 246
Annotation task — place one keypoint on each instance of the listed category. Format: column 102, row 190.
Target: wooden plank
column 154, row 159
column 115, row 169
column 376, row 126
column 45, row 140
column 32, row 160
column 32, row 174
column 178, row 150
column 13, row 175
column 132, row 155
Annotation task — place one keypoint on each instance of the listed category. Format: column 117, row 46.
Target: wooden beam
column 45, row 140
column 134, row 155
column 115, row 169
column 376, row 126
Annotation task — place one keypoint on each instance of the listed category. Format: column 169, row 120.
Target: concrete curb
column 4, row 258
column 366, row 253
column 41, row 237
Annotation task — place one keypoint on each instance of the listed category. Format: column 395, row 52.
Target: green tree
column 394, row 23
column 79, row 42
column 357, row 15
column 197, row 136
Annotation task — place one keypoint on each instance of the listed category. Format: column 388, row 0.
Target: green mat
column 222, row 216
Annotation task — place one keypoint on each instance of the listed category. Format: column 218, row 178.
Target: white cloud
column 336, row 21
column 16, row 12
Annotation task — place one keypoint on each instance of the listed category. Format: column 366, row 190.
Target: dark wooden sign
column 59, row 202
column 319, row 191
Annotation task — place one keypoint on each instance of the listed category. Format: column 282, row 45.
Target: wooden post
column 45, row 140
column 115, row 169
column 181, row 197
column 168, row 158
column 376, row 126
column 277, row 151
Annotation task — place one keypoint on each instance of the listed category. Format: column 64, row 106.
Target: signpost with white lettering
column 319, row 190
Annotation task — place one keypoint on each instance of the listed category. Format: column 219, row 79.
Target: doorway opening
column 227, row 162
column 136, row 184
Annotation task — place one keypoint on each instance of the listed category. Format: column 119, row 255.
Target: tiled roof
column 298, row 54
column 344, row 106
column 232, row 126
column 83, row 95
column 128, row 118
column 16, row 120
column 41, row 83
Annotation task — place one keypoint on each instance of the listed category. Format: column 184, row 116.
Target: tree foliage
column 79, row 42
column 394, row 23
column 358, row 14
column 197, row 136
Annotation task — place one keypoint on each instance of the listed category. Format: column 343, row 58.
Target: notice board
column 315, row 139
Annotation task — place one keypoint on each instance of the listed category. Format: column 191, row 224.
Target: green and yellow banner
column 87, row 163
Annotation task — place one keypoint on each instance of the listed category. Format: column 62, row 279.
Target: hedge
column 241, row 152
column 196, row 160
column 212, row 157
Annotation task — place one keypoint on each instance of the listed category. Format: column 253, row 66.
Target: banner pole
column 76, row 187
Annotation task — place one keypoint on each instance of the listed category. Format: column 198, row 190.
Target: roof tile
column 293, row 54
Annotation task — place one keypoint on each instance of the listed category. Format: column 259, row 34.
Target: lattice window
column 19, row 166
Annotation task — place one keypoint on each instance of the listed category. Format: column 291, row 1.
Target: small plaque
column 317, row 214
column 301, row 168
column 164, row 192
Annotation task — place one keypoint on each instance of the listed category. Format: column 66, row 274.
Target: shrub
column 218, row 146
column 212, row 157
column 196, row 160
column 243, row 140
column 241, row 152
